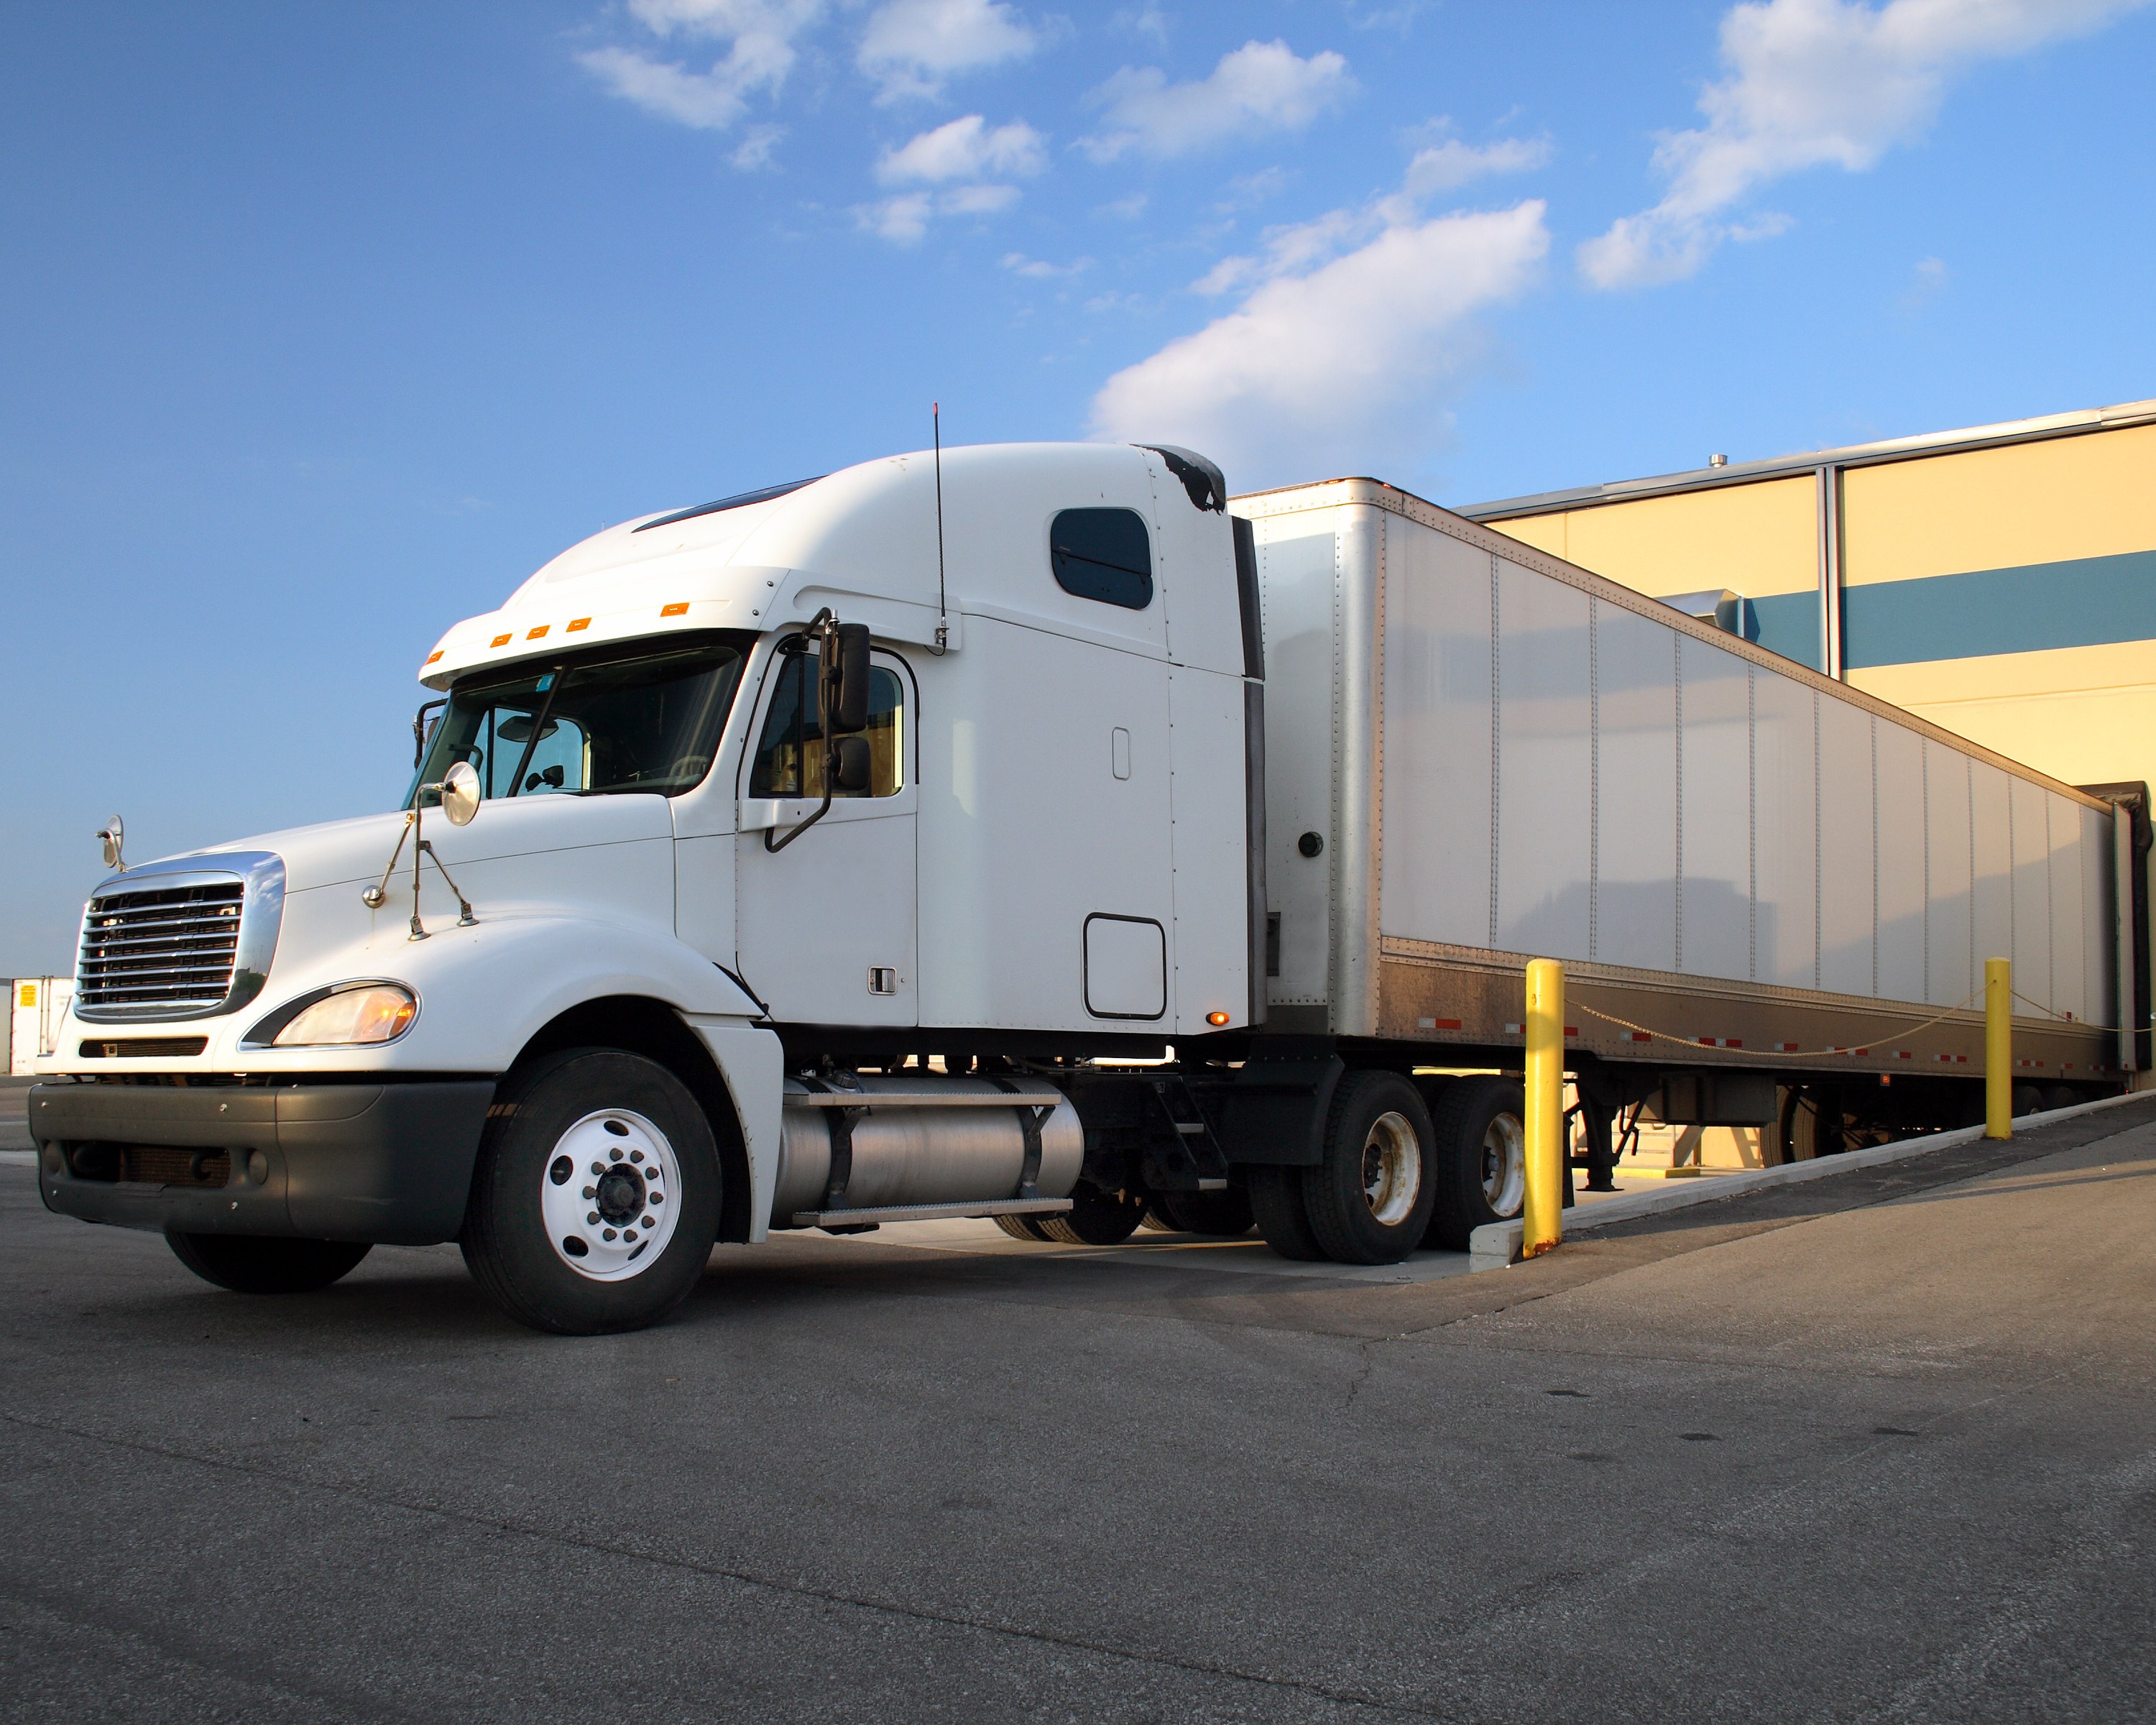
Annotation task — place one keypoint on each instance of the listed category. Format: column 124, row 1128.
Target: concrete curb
column 1497, row 1245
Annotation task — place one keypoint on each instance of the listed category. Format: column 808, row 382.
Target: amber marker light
column 499, row 641
column 534, row 635
column 1216, row 1019
column 434, row 655
column 577, row 623
column 679, row 610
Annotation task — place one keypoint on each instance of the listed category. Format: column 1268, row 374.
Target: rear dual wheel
column 1369, row 1200
column 1481, row 1129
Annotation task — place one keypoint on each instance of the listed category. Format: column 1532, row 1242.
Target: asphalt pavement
column 1881, row 1446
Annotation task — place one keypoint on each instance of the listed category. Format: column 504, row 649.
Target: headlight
column 371, row 1013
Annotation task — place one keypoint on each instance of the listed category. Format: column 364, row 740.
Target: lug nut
column 636, row 1156
column 630, row 1234
column 645, row 1223
column 613, row 1155
column 590, row 1192
column 606, row 1234
column 598, row 1168
column 592, row 1218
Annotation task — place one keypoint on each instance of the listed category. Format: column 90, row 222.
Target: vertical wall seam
column 1752, row 822
column 1374, row 887
column 2013, row 868
column 1968, row 771
column 1819, row 857
column 1593, row 772
column 1924, row 764
column 1875, row 856
column 1676, row 651
column 1496, row 744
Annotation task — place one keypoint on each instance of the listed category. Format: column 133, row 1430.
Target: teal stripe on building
column 2087, row 602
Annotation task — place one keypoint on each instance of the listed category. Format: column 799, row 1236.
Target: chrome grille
column 173, row 946
column 187, row 938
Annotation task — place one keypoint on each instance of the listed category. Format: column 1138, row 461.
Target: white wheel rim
column 610, row 1193
column 1505, row 1165
column 1392, row 1169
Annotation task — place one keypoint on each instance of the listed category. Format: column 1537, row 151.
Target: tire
column 1218, row 1215
column 2061, row 1096
column 1282, row 1217
column 1369, row 1200
column 252, row 1264
column 2028, row 1099
column 1480, row 1140
column 1025, row 1228
column 576, row 1253
column 1095, row 1218
column 1157, row 1219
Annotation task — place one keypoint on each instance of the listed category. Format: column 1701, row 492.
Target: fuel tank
column 930, row 1141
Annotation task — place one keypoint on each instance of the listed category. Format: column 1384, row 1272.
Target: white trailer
column 823, row 856
column 36, row 1006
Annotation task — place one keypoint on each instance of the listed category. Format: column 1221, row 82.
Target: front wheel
column 596, row 1198
column 254, row 1263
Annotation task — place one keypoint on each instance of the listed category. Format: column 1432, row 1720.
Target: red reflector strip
column 578, row 623
column 675, row 610
column 1789, row 1047
column 1638, row 1036
column 1437, row 1023
column 434, row 655
column 1720, row 1042
column 1903, row 1054
column 1572, row 1030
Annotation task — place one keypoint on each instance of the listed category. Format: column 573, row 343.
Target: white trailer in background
column 822, row 857
column 36, row 1006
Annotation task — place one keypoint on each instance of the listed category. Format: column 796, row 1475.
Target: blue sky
column 321, row 327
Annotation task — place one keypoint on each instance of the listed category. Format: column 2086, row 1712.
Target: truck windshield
column 648, row 722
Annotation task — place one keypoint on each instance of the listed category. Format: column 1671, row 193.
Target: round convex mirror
column 460, row 794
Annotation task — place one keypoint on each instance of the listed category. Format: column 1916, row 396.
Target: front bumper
column 388, row 1164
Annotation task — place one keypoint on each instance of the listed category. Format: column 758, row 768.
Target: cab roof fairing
column 862, row 540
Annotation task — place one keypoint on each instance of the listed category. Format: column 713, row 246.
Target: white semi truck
column 862, row 850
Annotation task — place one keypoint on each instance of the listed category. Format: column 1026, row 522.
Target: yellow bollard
column 1998, row 1048
column 1543, row 1212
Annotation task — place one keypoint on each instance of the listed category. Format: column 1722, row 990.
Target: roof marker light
column 499, row 641
column 434, row 655
column 578, row 623
column 534, row 635
column 679, row 610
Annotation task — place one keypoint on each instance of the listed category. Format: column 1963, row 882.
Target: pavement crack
column 1338, row 1694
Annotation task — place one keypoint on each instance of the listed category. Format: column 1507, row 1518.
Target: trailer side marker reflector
column 1789, row 1047
column 1721, row 1042
column 677, row 609
column 1216, row 1019
column 1437, row 1023
column 1639, row 1036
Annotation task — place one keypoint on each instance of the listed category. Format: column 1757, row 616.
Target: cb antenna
column 942, row 610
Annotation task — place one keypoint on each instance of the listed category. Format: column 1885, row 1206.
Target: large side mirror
column 853, row 765
column 845, row 669
column 460, row 794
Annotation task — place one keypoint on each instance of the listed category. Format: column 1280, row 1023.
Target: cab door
column 825, row 926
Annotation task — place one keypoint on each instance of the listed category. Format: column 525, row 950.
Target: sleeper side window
column 789, row 757
column 1102, row 554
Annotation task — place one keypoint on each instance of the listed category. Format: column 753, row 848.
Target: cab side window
column 1102, row 554
column 789, row 756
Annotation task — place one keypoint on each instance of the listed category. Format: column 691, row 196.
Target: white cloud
column 759, row 36
column 1261, row 87
column 1446, row 167
column 911, row 47
column 1333, row 362
column 963, row 150
column 1037, row 269
column 905, row 219
column 1812, row 83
